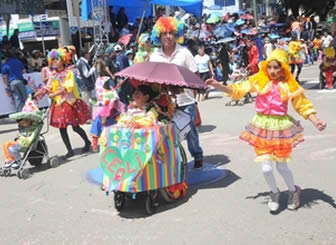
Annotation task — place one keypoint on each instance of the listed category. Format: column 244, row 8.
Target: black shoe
column 68, row 155
column 86, row 148
column 198, row 164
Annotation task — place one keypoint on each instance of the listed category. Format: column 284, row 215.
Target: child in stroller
column 29, row 141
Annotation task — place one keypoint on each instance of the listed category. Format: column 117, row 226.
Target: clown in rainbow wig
column 167, row 24
column 145, row 49
column 273, row 133
column 67, row 109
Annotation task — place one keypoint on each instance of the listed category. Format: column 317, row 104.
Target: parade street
column 59, row 206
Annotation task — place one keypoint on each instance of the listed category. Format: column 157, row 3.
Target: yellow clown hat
column 329, row 52
column 262, row 78
column 278, row 55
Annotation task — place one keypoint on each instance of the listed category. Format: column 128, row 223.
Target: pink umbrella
column 247, row 17
column 125, row 39
column 163, row 73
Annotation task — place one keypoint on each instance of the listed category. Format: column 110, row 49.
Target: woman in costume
column 67, row 107
column 295, row 58
column 328, row 66
column 272, row 132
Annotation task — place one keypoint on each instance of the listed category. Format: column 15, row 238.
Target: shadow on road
column 206, row 128
column 8, row 130
column 309, row 198
column 135, row 208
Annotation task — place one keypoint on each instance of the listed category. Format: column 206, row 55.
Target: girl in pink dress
column 272, row 132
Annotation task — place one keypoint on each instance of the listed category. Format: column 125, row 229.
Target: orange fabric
column 329, row 78
column 279, row 148
column 5, row 147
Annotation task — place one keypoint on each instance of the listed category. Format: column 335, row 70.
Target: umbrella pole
column 255, row 13
column 142, row 19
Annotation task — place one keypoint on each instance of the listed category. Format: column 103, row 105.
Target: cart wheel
column 54, row 162
column 164, row 192
column 119, row 200
column 23, row 173
column 1, row 172
column 150, row 207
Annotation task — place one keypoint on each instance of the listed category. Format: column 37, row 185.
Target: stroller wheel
column 119, row 200
column 54, row 162
column 5, row 172
column 150, row 206
column 23, row 173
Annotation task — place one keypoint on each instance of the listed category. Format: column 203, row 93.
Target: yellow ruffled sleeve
column 70, row 84
column 241, row 89
column 303, row 106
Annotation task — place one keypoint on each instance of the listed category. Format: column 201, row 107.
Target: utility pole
column 254, row 2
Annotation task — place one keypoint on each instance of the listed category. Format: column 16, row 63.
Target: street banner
column 6, row 101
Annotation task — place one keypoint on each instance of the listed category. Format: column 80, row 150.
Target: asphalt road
column 58, row 206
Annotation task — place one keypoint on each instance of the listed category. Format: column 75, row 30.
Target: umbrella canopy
column 213, row 19
column 247, row 17
column 240, row 22
column 224, row 30
column 163, row 73
column 225, row 40
column 125, row 39
column 200, row 34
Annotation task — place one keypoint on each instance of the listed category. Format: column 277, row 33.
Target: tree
column 310, row 7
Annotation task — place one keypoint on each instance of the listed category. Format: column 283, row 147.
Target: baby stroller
column 37, row 151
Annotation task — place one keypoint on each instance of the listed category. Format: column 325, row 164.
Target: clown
column 67, row 107
column 272, row 132
column 294, row 55
column 145, row 49
column 328, row 66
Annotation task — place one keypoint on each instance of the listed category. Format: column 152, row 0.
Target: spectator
column 12, row 76
column 14, row 40
column 86, row 77
column 326, row 40
column 121, row 18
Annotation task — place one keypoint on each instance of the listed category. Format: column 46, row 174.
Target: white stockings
column 284, row 171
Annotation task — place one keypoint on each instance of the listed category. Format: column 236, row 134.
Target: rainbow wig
column 144, row 37
column 167, row 24
column 59, row 53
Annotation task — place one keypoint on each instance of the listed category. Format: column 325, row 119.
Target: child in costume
column 142, row 111
column 108, row 105
column 295, row 58
column 145, row 49
column 272, row 132
column 28, row 127
column 67, row 107
column 328, row 66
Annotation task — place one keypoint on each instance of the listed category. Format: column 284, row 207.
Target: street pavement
column 58, row 206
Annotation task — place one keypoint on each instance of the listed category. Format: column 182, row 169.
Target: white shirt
column 268, row 48
column 326, row 40
column 183, row 57
column 202, row 63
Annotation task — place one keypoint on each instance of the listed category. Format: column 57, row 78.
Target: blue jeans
column 192, row 137
column 19, row 93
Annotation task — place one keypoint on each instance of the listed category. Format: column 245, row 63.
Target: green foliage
column 21, row 7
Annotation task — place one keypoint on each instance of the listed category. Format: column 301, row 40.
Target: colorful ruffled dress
column 272, row 132
column 67, row 108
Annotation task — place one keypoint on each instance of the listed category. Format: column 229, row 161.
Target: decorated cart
column 148, row 160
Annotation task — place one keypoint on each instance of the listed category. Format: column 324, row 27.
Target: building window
column 225, row 3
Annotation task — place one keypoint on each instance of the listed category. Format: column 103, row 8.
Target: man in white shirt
column 326, row 40
column 171, row 52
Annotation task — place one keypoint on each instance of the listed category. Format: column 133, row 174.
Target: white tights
column 283, row 170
